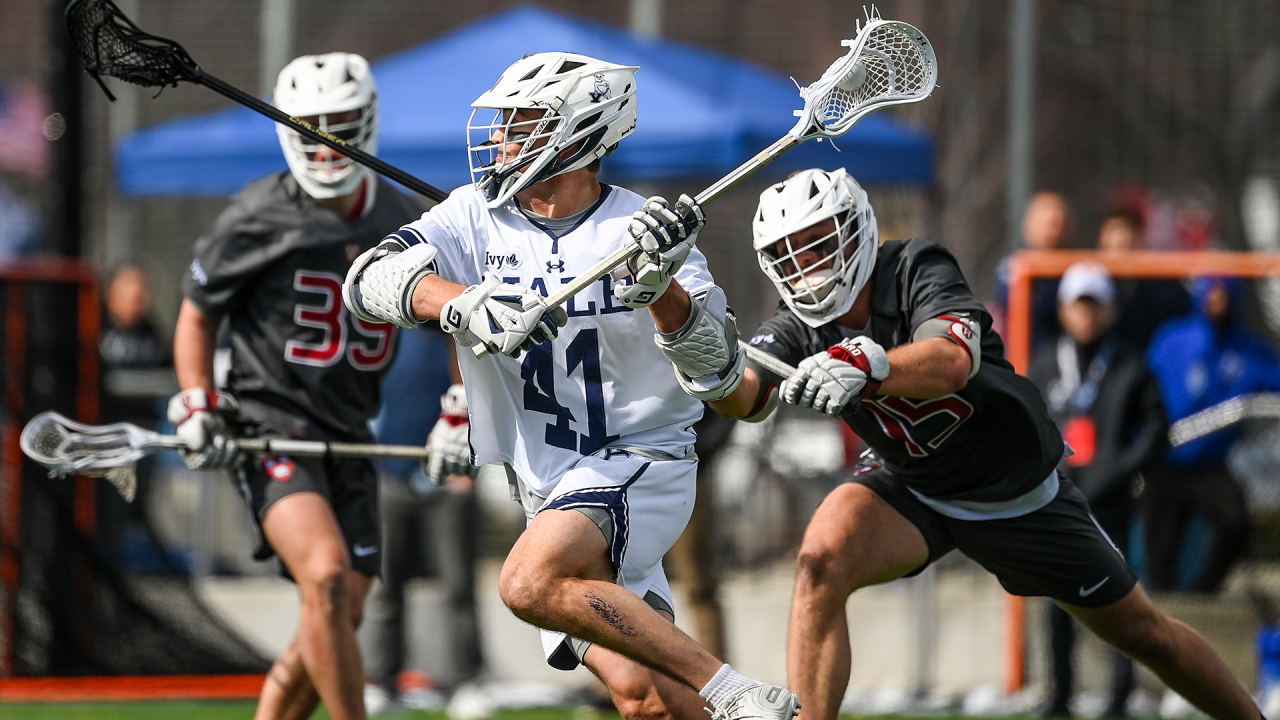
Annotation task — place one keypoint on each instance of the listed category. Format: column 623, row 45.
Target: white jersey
column 603, row 381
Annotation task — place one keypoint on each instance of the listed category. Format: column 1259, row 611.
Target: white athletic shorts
column 641, row 503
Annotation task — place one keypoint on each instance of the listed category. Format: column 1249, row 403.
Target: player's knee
column 818, row 571
column 326, row 582
column 523, row 589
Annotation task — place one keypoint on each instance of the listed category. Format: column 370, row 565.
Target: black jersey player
column 889, row 338
column 272, row 265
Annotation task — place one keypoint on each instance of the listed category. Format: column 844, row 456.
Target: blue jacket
column 1199, row 364
column 411, row 392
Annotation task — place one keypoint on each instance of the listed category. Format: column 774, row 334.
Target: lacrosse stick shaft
column 1223, row 415
column 767, row 361
column 704, row 198
column 356, row 154
column 316, row 448
column 312, row 448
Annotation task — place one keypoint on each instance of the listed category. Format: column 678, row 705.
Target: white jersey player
column 579, row 403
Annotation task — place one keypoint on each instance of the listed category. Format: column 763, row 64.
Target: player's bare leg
column 1175, row 652
column 643, row 694
column 304, row 533
column 288, row 693
column 855, row 539
column 558, row 577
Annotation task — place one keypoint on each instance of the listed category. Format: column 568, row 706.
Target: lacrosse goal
column 70, row 608
column 1231, row 619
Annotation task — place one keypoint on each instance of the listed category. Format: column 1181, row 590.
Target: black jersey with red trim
column 990, row 442
column 273, row 264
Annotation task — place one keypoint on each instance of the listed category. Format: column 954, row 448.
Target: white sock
column 726, row 683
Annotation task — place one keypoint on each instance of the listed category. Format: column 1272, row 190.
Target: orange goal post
column 1029, row 265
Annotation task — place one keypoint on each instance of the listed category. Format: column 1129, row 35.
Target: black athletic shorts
column 1058, row 551
column 350, row 485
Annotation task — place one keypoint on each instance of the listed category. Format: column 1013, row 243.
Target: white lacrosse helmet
column 318, row 87
column 820, row 279
column 572, row 99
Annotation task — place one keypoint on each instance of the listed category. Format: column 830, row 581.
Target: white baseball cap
column 1086, row 279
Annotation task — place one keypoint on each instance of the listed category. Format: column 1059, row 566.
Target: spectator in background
column 1046, row 225
column 1201, row 360
column 1142, row 304
column 129, row 346
column 1107, row 405
column 128, row 339
column 429, row 530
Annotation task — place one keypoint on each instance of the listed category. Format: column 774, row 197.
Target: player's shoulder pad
column 960, row 329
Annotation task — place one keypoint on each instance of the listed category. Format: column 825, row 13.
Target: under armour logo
column 602, row 90
column 558, row 265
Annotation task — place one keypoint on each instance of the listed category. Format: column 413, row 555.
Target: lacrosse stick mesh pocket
column 897, row 66
column 110, row 44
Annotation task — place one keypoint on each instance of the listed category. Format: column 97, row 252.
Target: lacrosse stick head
column 110, row 44
column 67, row 447
column 888, row 63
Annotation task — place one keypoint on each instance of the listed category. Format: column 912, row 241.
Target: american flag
column 24, row 150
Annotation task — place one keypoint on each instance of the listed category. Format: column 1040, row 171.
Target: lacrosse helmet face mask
column 818, row 276
column 542, row 106
column 336, row 93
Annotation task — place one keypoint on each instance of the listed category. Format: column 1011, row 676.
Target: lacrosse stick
column 110, row 44
column 67, row 447
column 888, row 63
column 1224, row 415
column 767, row 361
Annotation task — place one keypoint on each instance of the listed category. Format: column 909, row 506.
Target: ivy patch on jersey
column 509, row 261
column 279, row 467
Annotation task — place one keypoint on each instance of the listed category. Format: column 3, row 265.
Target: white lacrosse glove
column 380, row 283
column 501, row 318
column 194, row 413
column 830, row 380
column 449, row 441
column 666, row 236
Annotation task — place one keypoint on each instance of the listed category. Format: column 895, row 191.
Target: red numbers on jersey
column 331, row 316
column 908, row 420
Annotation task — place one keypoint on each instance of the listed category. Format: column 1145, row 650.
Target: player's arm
column 397, row 282
column 745, row 401
column 944, row 353
column 194, row 340
column 925, row 369
column 194, row 410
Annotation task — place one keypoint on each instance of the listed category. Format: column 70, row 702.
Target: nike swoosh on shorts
column 367, row 550
column 1087, row 593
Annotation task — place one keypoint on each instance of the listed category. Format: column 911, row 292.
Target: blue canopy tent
column 701, row 115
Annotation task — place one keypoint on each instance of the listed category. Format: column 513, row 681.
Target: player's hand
column 665, row 235
column 194, row 413
column 449, row 441
column 830, row 380
column 502, row 318
column 380, row 283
